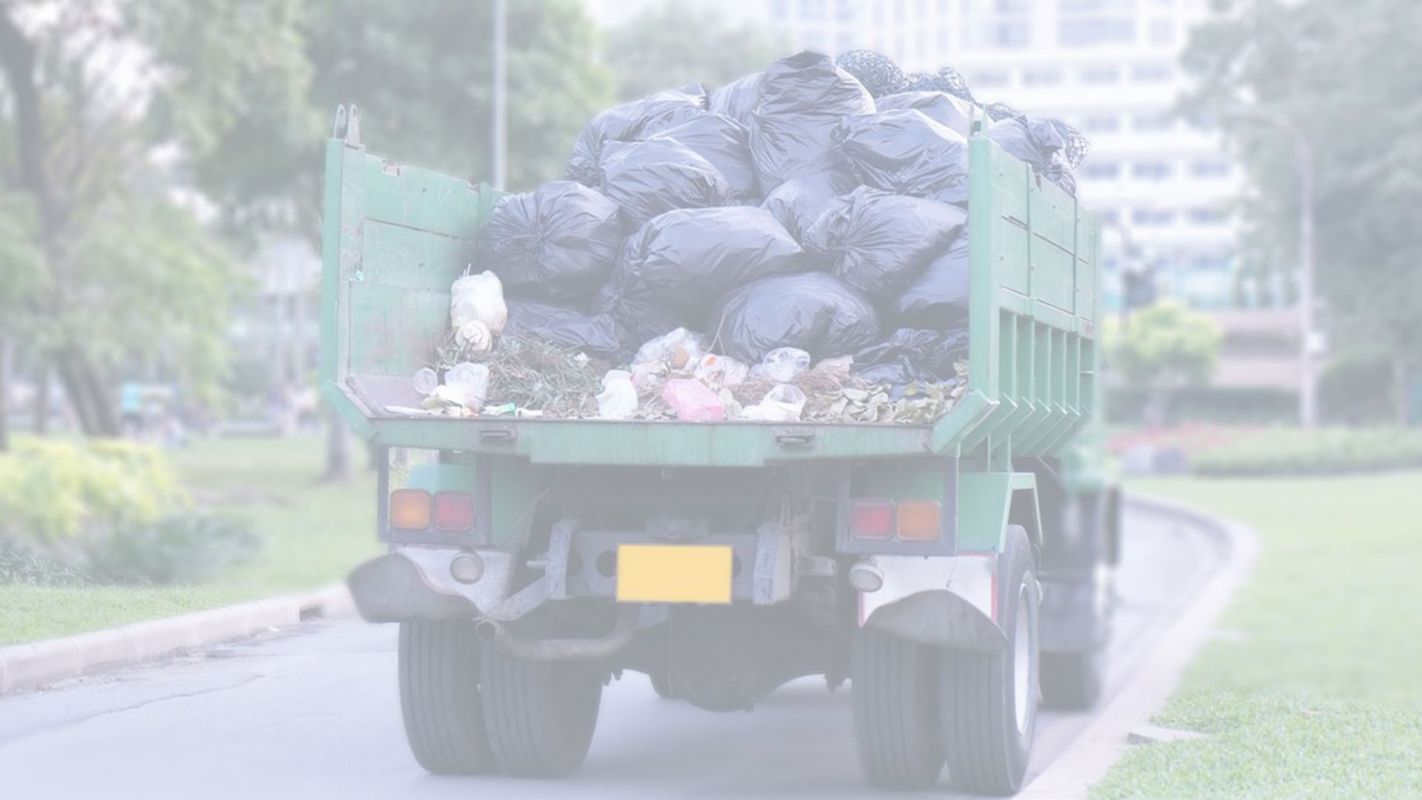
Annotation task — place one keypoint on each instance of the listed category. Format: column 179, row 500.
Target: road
column 313, row 712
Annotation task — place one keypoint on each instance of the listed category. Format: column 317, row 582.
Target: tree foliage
column 675, row 43
column 1341, row 80
column 1167, row 346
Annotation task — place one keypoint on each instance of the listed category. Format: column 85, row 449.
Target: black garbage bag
column 879, row 74
column 802, row 98
column 905, row 152
column 630, row 122
column 565, row 326
column 913, row 356
column 736, row 99
column 1038, row 142
column 558, row 242
column 655, row 176
column 798, row 202
column 815, row 312
column 938, row 298
column 946, row 79
column 879, row 242
column 685, row 260
column 725, row 143
column 951, row 112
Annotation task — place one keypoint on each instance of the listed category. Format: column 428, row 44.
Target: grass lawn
column 1316, row 691
column 313, row 534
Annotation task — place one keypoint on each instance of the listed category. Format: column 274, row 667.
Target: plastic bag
column 814, row 312
column 647, row 179
column 953, row 113
column 693, row 401
column 676, row 350
column 725, row 143
column 594, row 334
column 905, row 152
column 783, row 403
column 938, row 298
column 469, row 382
column 946, row 79
column 555, row 243
column 479, row 298
column 474, row 336
column 618, row 398
column 783, row 364
column 630, row 122
column 879, row 74
column 684, row 260
column 801, row 99
column 879, row 242
column 913, row 356
column 736, row 99
column 719, row 372
column 798, row 202
column 1040, row 143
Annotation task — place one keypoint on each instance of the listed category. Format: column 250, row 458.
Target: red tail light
column 872, row 518
column 453, row 511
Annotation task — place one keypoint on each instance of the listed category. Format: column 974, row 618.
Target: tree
column 675, row 43
column 1164, row 348
column 128, row 275
column 1340, row 80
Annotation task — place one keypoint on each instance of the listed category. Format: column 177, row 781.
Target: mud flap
column 941, row 618
column 391, row 588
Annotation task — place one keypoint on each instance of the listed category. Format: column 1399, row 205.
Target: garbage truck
column 955, row 573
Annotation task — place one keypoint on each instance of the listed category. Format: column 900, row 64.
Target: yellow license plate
column 673, row 573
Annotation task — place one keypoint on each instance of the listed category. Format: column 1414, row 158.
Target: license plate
column 661, row 573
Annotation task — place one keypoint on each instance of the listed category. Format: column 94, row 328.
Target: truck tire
column 989, row 700
column 539, row 715
column 440, row 697
column 894, row 683
column 1072, row 681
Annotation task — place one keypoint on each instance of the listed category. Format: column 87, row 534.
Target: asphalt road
column 314, row 713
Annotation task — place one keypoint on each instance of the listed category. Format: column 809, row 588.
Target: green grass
column 313, row 533
column 1317, row 690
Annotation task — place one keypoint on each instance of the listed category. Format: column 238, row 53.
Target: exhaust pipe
column 561, row 649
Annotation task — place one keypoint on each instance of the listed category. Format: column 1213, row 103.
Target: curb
column 28, row 666
column 1157, row 674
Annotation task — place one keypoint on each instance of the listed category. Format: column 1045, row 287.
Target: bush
column 55, row 493
column 188, row 547
column 20, row 564
column 1215, row 404
column 1317, row 452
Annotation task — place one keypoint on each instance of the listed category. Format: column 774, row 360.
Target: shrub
column 20, row 564
column 188, row 547
column 1316, row 452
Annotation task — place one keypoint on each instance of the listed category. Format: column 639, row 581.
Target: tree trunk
column 87, row 395
column 41, row 406
column 4, row 395
column 338, row 447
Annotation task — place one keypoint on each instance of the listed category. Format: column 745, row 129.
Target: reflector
column 920, row 520
column 410, row 509
column 453, row 511
column 872, row 518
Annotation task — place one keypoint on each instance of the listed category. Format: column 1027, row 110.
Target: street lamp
column 1309, row 343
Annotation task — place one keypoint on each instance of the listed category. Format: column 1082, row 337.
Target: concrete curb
column 27, row 666
column 1156, row 675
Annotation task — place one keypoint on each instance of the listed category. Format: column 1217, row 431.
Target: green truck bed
column 395, row 237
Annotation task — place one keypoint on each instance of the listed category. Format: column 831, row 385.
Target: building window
column 1208, row 216
column 1041, row 76
column 1152, row 73
column 1153, row 123
column 812, row 9
column 1152, row 217
column 1100, row 75
column 1150, row 170
column 1101, row 171
column 844, row 10
column 990, row 79
column 1210, row 168
column 1094, row 31
column 1162, row 32
column 1101, row 124
column 1108, row 216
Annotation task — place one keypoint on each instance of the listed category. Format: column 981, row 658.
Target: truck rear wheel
column 539, row 715
column 1072, row 681
column 895, row 691
column 440, row 699
column 989, row 700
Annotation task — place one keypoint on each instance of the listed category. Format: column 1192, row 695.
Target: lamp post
column 1305, row 164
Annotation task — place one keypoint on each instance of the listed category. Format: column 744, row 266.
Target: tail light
column 881, row 519
column 872, row 518
column 410, row 509
column 453, row 511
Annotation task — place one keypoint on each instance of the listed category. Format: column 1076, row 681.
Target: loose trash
column 555, row 243
column 720, row 372
column 913, row 356
column 783, row 364
column 469, row 383
column 784, row 403
column 905, row 152
column 693, row 401
column 480, row 298
column 564, row 326
column 649, row 178
column 630, row 122
column 802, row 98
column 618, row 399
column 879, row 242
column 812, row 312
column 474, row 335
column 725, row 143
column 424, row 381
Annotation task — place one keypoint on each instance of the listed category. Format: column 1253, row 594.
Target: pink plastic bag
column 693, row 401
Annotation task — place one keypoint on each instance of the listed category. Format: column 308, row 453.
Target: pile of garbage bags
column 792, row 245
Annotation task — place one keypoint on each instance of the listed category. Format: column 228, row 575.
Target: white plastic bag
column 475, row 336
column 719, row 372
column 478, row 298
column 680, row 350
column 783, row 364
column 784, row 403
column 618, row 398
column 469, row 383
